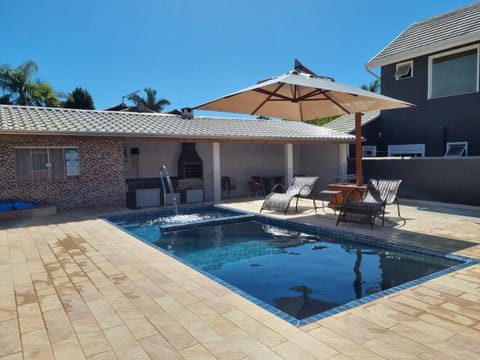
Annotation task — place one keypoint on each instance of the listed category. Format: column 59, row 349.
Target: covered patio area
column 74, row 286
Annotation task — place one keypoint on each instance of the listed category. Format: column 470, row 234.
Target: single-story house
column 80, row 158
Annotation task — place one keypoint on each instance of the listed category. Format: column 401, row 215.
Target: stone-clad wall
column 101, row 181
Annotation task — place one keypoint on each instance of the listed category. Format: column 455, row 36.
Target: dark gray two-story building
column 434, row 64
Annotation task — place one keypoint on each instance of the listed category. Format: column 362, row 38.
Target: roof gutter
column 371, row 72
column 184, row 138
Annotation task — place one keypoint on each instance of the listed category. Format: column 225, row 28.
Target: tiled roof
column 440, row 32
column 58, row 121
column 346, row 123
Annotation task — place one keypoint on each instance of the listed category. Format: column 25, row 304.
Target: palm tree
column 150, row 101
column 42, row 94
column 19, row 87
column 15, row 82
column 374, row 86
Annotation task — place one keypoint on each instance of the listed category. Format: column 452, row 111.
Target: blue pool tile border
column 233, row 216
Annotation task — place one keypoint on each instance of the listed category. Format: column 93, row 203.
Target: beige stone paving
column 76, row 287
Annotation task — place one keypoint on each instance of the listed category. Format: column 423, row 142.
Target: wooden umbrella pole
column 358, row 148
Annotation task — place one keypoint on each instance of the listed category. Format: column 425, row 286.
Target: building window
column 459, row 148
column 46, row 164
column 369, row 151
column 453, row 73
column 404, row 70
column 409, row 150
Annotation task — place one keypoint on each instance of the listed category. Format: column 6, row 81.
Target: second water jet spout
column 164, row 173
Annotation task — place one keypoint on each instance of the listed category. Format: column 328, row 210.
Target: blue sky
column 192, row 51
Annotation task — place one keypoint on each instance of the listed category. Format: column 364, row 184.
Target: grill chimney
column 187, row 113
column 190, row 165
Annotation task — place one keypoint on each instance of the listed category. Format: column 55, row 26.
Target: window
column 369, row 151
column 457, row 149
column 404, row 70
column 45, row 164
column 453, row 73
column 413, row 150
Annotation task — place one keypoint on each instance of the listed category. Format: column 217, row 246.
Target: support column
column 288, row 161
column 217, row 185
column 358, row 148
column 342, row 161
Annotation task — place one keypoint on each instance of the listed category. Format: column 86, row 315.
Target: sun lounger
column 301, row 186
column 377, row 195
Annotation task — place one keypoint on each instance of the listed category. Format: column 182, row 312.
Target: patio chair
column 301, row 186
column 228, row 185
column 255, row 188
column 377, row 195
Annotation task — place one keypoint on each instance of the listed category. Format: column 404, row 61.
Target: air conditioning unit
column 148, row 198
column 194, row 196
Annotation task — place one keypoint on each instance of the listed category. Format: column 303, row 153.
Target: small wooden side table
column 337, row 201
column 330, row 194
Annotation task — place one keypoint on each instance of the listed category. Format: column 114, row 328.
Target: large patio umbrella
column 304, row 96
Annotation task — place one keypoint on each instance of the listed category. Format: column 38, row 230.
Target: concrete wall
column 320, row 160
column 100, row 182
column 241, row 161
column 452, row 180
column 205, row 151
column 152, row 155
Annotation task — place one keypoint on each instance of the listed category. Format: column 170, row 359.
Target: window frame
column 431, row 58
column 406, row 150
column 369, row 151
column 406, row 74
column 48, row 166
column 456, row 144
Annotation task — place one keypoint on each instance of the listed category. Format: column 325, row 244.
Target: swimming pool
column 299, row 272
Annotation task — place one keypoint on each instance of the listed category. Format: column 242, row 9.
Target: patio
column 74, row 286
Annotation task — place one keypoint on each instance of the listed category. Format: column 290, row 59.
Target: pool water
column 297, row 273
column 149, row 225
column 300, row 275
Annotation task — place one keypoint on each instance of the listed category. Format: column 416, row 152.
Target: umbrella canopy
column 304, row 96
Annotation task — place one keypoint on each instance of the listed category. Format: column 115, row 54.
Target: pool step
column 220, row 221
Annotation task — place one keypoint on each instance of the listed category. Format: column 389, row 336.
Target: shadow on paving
column 394, row 230
column 62, row 217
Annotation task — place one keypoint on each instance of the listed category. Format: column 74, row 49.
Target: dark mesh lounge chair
column 377, row 195
column 301, row 186
column 386, row 190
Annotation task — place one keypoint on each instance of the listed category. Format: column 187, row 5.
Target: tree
column 374, row 86
column 20, row 88
column 42, row 94
column 322, row 121
column 79, row 98
column 5, row 100
column 150, row 101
